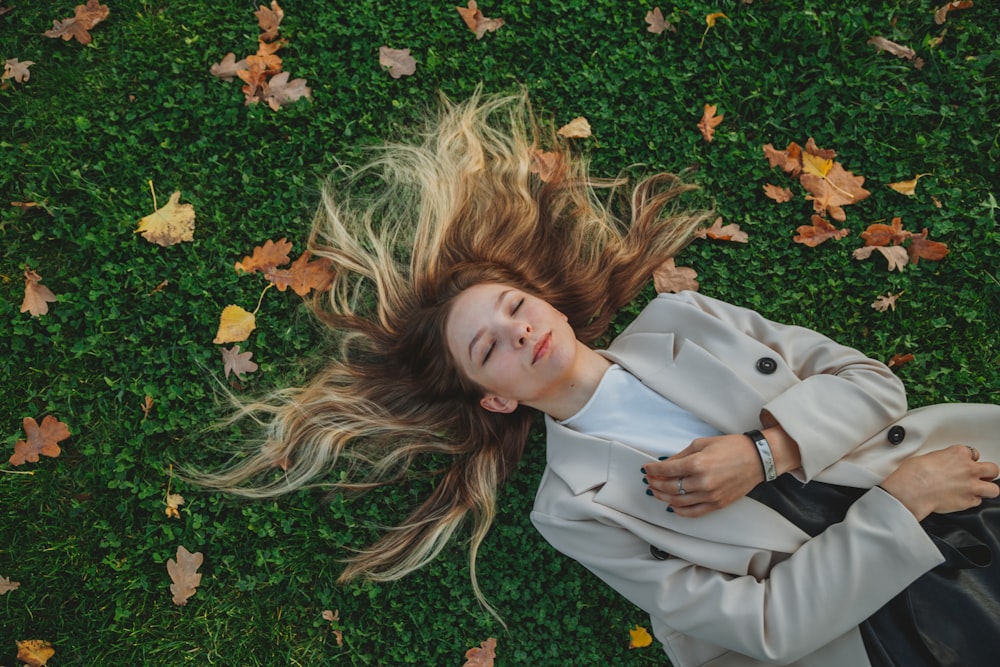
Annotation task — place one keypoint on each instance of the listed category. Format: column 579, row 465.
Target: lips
column 541, row 347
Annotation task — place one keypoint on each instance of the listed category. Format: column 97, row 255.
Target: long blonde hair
column 462, row 204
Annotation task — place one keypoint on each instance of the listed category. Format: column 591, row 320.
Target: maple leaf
column 174, row 501
column 717, row 231
column 639, row 637
column 16, row 70
column 255, row 79
column 475, row 20
column 837, row 189
column 184, row 573
column 235, row 325
column 549, row 165
column 887, row 302
column 237, row 362
column 228, row 67
column 35, row 652
column 900, row 359
column 708, row 122
column 790, row 159
column 904, row 52
column 79, row 25
column 482, row 655
column 36, row 295
column 923, row 248
column 173, row 223
column 578, row 128
column 668, row 277
column 399, row 61
column 303, row 276
column 878, row 234
column 780, row 195
column 819, row 231
column 6, row 585
column 267, row 256
column 279, row 91
column 657, row 23
column 268, row 20
column 42, row 439
column 941, row 15
column 908, row 188
column 896, row 255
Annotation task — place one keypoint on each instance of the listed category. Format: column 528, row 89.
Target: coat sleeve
column 829, row 585
column 843, row 397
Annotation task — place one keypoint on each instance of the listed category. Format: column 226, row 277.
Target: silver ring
column 680, row 486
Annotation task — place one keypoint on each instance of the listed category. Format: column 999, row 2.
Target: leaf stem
column 17, row 472
column 261, row 299
column 155, row 207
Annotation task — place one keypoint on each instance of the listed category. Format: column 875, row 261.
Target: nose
column 521, row 331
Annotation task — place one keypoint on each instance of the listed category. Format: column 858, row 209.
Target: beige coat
column 743, row 586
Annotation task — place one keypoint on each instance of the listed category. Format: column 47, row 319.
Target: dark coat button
column 896, row 434
column 767, row 365
column 658, row 554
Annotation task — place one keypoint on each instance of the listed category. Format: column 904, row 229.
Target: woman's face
column 516, row 346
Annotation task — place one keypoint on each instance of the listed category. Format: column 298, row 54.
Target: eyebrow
column 482, row 330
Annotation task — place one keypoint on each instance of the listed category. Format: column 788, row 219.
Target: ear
column 494, row 403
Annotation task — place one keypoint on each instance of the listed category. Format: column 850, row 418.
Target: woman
column 473, row 276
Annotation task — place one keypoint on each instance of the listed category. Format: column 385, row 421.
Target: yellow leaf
column 35, row 652
column 169, row 225
column 174, row 501
column 640, row 637
column 235, row 325
column 578, row 128
column 816, row 165
column 908, row 188
column 712, row 18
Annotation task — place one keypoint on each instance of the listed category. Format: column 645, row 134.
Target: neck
column 588, row 370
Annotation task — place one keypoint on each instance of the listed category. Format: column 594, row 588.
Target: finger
column 673, row 468
column 988, row 470
column 974, row 452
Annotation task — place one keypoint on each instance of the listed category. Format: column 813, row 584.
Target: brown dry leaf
column 895, row 255
column 237, row 362
column 173, row 223
column 35, row 652
column 887, row 302
column 228, row 67
column 900, row 359
column 923, row 248
column 780, row 195
column 42, row 439
column 304, row 275
column 549, row 165
column 266, row 257
column 268, row 20
column 16, row 70
column 475, row 20
column 790, row 159
column 184, row 573
column 658, row 24
column 838, row 189
column 717, row 231
column 709, row 121
column 819, row 231
column 147, row 405
column 78, row 26
column 578, row 128
column 6, row 585
column 235, row 325
column 279, row 91
column 904, row 52
column 941, row 15
column 36, row 295
column 332, row 616
column 878, row 234
column 399, row 61
column 482, row 655
column 254, row 78
column 668, row 277
column 174, row 501
column 908, row 188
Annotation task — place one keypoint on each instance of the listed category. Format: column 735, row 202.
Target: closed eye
column 518, row 306
column 489, row 352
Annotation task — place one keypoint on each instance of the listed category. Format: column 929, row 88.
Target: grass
column 86, row 534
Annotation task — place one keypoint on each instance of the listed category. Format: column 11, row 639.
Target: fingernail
column 670, row 509
column 649, row 492
column 642, row 470
column 663, row 458
column 645, row 481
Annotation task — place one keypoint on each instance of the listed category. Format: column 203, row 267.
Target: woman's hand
column 716, row 472
column 948, row 480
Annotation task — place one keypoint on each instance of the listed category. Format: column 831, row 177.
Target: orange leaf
column 923, row 248
column 266, row 257
column 42, row 439
column 482, row 655
column 717, row 231
column 941, row 15
column 35, row 652
column 780, row 195
column 710, row 19
column 668, row 277
column 790, row 159
column 837, row 189
column 475, row 20
column 36, row 296
column 639, row 637
column 819, row 231
column 709, row 121
column 898, row 360
column 908, row 188
column 549, row 165
column 880, row 235
column 184, row 573
column 578, row 128
column 269, row 19
column 304, row 275
column 79, row 25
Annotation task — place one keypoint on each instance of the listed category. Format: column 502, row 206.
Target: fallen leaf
column 184, row 573
column 42, row 439
column 904, row 52
column 332, row 616
column 476, row 21
column 717, row 231
column 304, row 275
column 228, row 67
column 37, row 296
column 668, row 277
column 819, row 231
column 639, row 637
column 16, row 70
column 237, row 362
column 838, row 189
column 6, row 585
column 578, row 128
column 268, row 256
column 268, row 20
column 35, row 652
column 279, row 91
column 549, row 165
column 235, row 325
column 790, row 159
column 174, row 501
column 896, row 255
column 941, row 15
column 778, row 194
column 147, row 405
column 879, row 234
column 173, row 223
column 887, row 302
column 908, row 188
column 399, row 61
column 900, row 359
column 482, row 655
column 923, row 248
column 816, row 165
column 708, row 122
column 79, row 25
column 710, row 19
column 657, row 23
